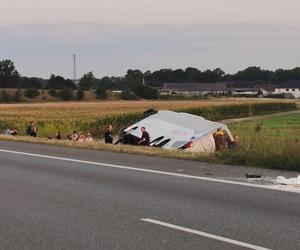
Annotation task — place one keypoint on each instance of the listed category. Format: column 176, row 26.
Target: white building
column 292, row 88
column 190, row 89
column 249, row 92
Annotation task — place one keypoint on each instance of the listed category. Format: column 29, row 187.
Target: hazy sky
column 110, row 36
column 150, row 11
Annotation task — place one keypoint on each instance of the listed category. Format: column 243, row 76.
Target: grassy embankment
column 274, row 145
column 273, row 142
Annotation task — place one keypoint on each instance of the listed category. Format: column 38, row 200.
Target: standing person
column 145, row 139
column 220, row 139
column 33, row 130
column 108, row 138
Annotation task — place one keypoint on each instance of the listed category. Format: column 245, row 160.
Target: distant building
column 247, row 92
column 190, row 89
column 290, row 88
column 238, row 89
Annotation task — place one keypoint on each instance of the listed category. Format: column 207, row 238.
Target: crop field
column 94, row 116
column 94, row 110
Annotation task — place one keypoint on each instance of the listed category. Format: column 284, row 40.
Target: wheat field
column 94, row 110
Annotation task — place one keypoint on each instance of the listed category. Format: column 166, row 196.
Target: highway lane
column 57, row 204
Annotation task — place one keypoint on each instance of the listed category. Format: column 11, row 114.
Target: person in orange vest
column 220, row 137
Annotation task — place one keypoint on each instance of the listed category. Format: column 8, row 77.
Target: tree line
column 137, row 84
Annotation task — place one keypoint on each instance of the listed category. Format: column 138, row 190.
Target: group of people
column 143, row 141
column 9, row 131
column 221, row 137
column 79, row 137
column 32, row 131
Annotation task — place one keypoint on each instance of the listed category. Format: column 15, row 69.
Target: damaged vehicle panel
column 173, row 130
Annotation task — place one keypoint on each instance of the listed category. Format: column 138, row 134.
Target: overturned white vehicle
column 173, row 130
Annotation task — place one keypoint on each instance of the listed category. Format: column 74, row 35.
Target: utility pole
column 74, row 68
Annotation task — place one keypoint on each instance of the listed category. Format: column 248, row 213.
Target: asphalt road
column 73, row 201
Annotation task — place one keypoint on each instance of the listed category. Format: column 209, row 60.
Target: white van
column 173, row 130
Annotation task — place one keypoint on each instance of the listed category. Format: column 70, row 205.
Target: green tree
column 80, row 94
column 52, row 92
column 135, row 76
column 58, row 82
column 147, row 92
column 101, row 93
column 31, row 93
column 31, row 82
column 128, row 95
column 17, row 96
column 4, row 96
column 66, row 94
column 133, row 79
column 9, row 76
column 253, row 74
column 88, row 81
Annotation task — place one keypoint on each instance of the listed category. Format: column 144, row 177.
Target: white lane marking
column 207, row 235
column 149, row 171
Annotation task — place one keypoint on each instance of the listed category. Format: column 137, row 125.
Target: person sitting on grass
column 13, row 132
column 10, row 132
column 73, row 137
column 145, row 139
column 81, row 137
column 89, row 139
column 58, row 136
column 108, row 138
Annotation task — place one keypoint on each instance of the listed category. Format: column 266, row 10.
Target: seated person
column 74, row 136
column 13, row 132
column 58, row 136
column 145, row 139
column 10, row 132
column 108, row 139
column 89, row 138
column 81, row 137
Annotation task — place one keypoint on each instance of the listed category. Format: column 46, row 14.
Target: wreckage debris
column 280, row 180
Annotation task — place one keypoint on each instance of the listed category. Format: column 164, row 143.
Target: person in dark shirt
column 108, row 135
column 58, row 136
column 145, row 139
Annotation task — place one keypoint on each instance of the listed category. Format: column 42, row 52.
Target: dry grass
column 93, row 110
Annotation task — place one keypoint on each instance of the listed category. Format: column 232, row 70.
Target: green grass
column 275, row 146
column 272, row 142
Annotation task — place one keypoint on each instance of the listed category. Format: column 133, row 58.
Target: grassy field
column 93, row 116
column 275, row 146
column 271, row 142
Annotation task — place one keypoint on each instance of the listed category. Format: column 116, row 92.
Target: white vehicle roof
column 179, row 128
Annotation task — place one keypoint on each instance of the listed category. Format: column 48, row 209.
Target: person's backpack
column 28, row 130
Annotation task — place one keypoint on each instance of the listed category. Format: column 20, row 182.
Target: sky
column 111, row 36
